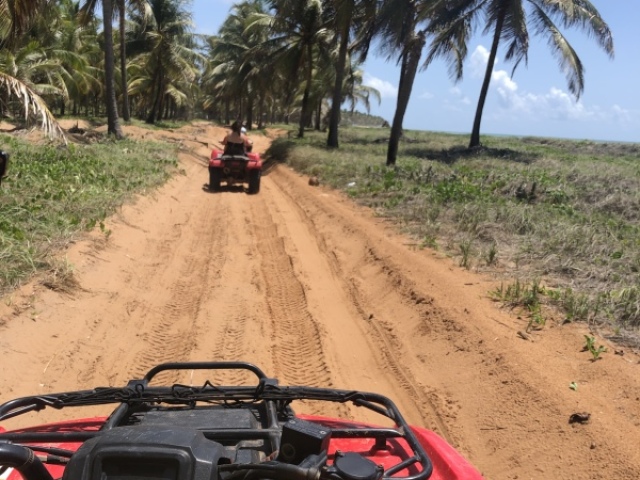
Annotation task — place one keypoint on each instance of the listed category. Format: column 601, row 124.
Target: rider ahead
column 236, row 142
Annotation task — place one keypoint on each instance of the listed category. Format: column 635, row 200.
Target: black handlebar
column 204, row 366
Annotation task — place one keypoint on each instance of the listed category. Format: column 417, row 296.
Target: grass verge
column 53, row 193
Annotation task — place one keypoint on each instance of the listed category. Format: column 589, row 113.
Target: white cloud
column 503, row 81
column 479, row 59
column 426, row 96
column 386, row 89
column 556, row 104
column 622, row 115
column 459, row 97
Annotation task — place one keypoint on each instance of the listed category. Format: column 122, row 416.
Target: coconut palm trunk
column 126, row 115
column 261, row 113
column 154, row 114
column 250, row 107
column 304, row 110
column 334, row 119
column 475, row 132
column 317, row 117
column 113, row 125
column 410, row 61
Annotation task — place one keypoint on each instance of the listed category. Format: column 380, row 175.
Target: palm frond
column 450, row 37
column 583, row 14
column 33, row 106
column 567, row 57
column 515, row 32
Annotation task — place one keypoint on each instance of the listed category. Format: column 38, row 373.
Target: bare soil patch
column 316, row 290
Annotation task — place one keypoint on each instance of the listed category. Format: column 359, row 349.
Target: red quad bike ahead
column 233, row 169
column 214, row 432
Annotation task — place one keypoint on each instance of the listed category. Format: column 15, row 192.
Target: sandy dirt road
column 315, row 290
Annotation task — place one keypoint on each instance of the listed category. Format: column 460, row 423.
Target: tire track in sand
column 232, row 314
column 379, row 331
column 172, row 333
column 296, row 339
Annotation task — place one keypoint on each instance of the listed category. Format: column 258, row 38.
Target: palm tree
column 300, row 37
column 15, row 18
column 113, row 123
column 72, row 48
column 121, row 9
column 349, row 16
column 236, row 70
column 454, row 22
column 88, row 11
column 259, row 76
column 31, row 66
column 397, row 24
column 33, row 104
column 220, row 80
column 167, row 55
column 355, row 92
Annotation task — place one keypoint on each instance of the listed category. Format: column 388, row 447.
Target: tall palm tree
column 454, row 21
column 121, row 9
column 220, row 79
column 398, row 25
column 259, row 76
column 113, row 122
column 88, row 11
column 349, row 17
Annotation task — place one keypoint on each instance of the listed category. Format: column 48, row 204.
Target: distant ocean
column 507, row 135
column 594, row 140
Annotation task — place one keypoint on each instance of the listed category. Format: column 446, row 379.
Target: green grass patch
column 565, row 212
column 52, row 193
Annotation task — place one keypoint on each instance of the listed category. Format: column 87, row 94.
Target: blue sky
column 535, row 101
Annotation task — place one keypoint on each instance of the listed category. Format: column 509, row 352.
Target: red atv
column 233, row 169
column 217, row 432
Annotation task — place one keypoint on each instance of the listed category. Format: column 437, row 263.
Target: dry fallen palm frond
column 34, row 107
